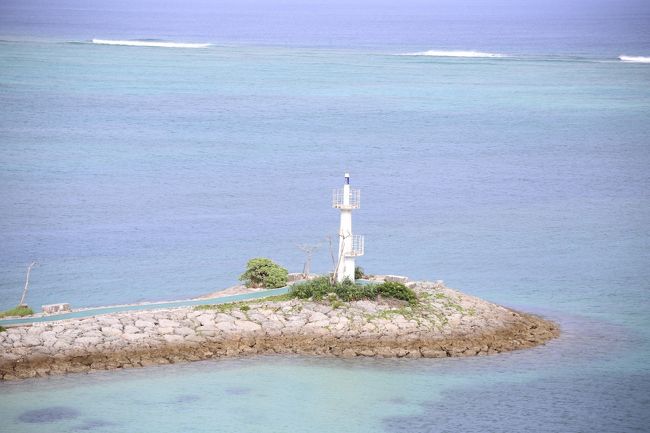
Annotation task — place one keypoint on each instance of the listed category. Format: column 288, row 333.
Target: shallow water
column 146, row 173
column 519, row 391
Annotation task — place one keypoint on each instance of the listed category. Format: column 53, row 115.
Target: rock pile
column 445, row 323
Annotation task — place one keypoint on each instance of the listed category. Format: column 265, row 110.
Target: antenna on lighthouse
column 350, row 246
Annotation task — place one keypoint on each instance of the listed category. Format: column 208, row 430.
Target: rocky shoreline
column 445, row 323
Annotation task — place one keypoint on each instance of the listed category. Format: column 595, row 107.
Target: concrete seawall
column 445, row 323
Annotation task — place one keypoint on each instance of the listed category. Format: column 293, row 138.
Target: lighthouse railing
column 358, row 247
column 353, row 202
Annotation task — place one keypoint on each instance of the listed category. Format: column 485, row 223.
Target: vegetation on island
column 21, row 310
column 263, row 272
column 336, row 294
column 347, row 291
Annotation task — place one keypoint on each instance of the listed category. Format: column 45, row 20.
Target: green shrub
column 391, row 289
column 316, row 288
column 17, row 311
column 244, row 308
column 358, row 273
column 2, row 329
column 262, row 272
column 347, row 291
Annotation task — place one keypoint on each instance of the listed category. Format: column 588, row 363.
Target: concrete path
column 141, row 307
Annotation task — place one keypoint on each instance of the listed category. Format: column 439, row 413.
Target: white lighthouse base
column 346, row 270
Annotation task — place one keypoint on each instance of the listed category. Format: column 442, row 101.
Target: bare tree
column 334, row 263
column 341, row 255
column 329, row 240
column 309, row 251
column 22, row 299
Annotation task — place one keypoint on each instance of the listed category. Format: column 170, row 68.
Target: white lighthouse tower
column 350, row 246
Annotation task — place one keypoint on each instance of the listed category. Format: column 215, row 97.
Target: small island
column 342, row 314
column 378, row 319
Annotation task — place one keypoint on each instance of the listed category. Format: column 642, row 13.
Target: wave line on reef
column 159, row 44
column 455, row 53
column 634, row 59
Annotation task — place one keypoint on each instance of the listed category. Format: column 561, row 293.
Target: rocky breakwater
column 444, row 323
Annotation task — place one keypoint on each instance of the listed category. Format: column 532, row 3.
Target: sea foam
column 455, row 53
column 159, row 44
column 634, row 59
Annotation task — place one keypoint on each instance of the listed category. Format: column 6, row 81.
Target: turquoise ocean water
column 146, row 173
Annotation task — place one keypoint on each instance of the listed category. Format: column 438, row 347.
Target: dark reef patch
column 587, row 404
column 187, row 398
column 48, row 414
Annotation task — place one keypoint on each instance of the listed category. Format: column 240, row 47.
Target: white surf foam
column 634, row 59
column 149, row 43
column 455, row 53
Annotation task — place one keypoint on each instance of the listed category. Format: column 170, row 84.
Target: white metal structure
column 350, row 246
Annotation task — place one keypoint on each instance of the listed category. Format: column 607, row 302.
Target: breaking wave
column 160, row 44
column 634, row 59
column 453, row 53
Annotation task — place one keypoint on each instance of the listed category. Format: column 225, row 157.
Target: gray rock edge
column 446, row 323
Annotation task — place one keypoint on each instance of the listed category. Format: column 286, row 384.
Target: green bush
column 17, row 311
column 2, row 329
column 316, row 288
column 347, row 290
column 391, row 289
column 262, row 272
column 321, row 287
column 358, row 273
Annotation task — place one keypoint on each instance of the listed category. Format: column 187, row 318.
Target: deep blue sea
column 501, row 146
